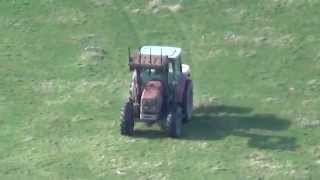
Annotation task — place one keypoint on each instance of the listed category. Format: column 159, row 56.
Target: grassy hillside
column 64, row 77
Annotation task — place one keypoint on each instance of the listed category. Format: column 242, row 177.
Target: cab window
column 177, row 69
column 170, row 71
column 150, row 74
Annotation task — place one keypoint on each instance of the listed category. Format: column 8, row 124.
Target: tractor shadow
column 215, row 122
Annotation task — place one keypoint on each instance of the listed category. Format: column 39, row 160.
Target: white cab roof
column 171, row 52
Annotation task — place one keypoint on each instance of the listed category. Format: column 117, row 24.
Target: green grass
column 256, row 71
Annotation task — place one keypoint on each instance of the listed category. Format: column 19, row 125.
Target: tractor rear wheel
column 188, row 102
column 174, row 123
column 127, row 120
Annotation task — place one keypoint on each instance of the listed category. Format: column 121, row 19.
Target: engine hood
column 152, row 90
column 152, row 97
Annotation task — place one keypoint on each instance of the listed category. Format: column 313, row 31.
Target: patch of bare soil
column 101, row 2
column 156, row 6
column 91, row 55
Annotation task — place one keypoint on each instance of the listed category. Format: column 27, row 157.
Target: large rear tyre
column 127, row 120
column 174, row 123
column 188, row 102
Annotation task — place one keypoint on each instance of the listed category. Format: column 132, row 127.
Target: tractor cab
column 172, row 69
column 158, row 85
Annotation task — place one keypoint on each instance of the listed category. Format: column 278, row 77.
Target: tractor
column 161, row 90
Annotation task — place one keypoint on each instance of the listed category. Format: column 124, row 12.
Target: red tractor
column 161, row 90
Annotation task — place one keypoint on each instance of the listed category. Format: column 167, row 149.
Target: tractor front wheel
column 174, row 123
column 127, row 120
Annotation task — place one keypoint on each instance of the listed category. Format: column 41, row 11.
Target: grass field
column 64, row 77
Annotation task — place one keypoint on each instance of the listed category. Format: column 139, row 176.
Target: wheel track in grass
column 186, row 38
column 129, row 21
column 131, row 32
